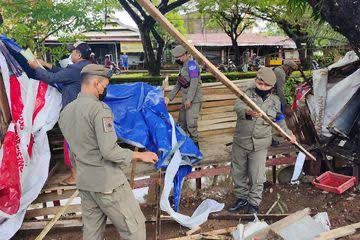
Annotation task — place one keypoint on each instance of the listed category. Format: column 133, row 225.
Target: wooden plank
column 201, row 235
column 221, row 109
column 212, row 122
column 216, row 115
column 52, row 196
column 50, row 188
column 156, row 14
column 339, row 232
column 62, row 211
column 32, row 213
column 277, row 226
column 227, row 125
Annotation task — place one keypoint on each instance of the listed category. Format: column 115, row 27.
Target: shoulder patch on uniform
column 105, row 105
column 108, row 124
column 193, row 69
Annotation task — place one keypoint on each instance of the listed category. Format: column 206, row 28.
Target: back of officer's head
column 93, row 75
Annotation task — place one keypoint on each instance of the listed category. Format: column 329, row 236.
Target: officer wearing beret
column 251, row 141
column 87, row 124
column 189, row 83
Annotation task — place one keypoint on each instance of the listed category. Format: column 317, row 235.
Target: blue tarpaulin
column 141, row 119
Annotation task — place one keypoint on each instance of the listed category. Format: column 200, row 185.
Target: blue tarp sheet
column 141, row 119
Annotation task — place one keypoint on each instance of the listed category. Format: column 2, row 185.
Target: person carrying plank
column 252, row 139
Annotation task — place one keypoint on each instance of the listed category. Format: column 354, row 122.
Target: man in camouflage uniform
column 251, row 140
column 87, row 124
column 189, row 83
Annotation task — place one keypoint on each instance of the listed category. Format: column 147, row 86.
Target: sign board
column 131, row 47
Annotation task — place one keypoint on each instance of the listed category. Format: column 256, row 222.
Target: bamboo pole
column 56, row 217
column 156, row 14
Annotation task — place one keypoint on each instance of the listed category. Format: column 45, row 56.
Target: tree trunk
column 236, row 50
column 343, row 17
column 151, row 62
column 299, row 37
column 159, row 51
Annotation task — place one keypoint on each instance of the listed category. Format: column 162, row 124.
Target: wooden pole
column 156, row 14
column 56, row 217
column 133, row 170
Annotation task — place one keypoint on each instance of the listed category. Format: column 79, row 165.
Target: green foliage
column 175, row 18
column 31, row 22
column 232, row 15
column 157, row 80
column 291, row 83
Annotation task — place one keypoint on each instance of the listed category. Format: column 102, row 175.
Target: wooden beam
column 201, row 235
column 339, row 232
column 156, row 14
column 57, row 216
column 277, row 226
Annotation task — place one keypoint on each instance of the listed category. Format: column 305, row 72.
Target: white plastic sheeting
column 35, row 167
column 201, row 214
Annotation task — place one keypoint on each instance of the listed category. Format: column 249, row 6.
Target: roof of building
column 245, row 39
column 114, row 30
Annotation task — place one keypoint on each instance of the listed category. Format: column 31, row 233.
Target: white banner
column 25, row 153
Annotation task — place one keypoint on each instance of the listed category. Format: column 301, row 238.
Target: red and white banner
column 25, row 153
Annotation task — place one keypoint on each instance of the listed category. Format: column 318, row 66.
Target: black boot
column 251, row 209
column 240, row 203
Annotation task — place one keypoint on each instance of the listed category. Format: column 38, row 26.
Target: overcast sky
column 125, row 18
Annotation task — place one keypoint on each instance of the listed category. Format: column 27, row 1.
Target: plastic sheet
column 25, row 152
column 202, row 212
column 141, row 119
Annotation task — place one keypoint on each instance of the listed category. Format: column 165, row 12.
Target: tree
column 342, row 15
column 153, row 50
column 232, row 16
column 301, row 28
column 30, row 23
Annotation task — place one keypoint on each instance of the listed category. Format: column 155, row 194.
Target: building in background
column 217, row 47
column 114, row 38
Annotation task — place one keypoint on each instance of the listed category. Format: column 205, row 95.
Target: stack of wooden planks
column 217, row 117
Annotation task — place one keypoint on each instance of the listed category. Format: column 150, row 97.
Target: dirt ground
column 342, row 210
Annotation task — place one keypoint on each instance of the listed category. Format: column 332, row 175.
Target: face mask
column 263, row 93
column 103, row 95
column 179, row 62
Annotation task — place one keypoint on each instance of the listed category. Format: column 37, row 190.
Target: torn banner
column 25, row 154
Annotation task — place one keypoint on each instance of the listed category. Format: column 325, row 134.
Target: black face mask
column 179, row 62
column 103, row 95
column 263, row 93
